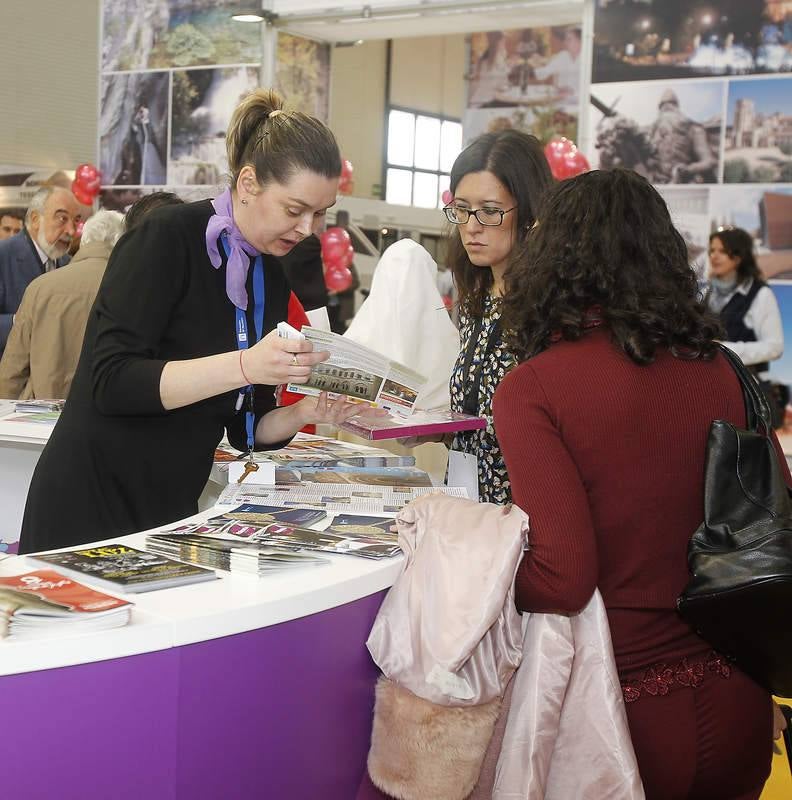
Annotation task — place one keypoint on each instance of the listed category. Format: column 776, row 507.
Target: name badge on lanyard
column 463, row 471
column 246, row 394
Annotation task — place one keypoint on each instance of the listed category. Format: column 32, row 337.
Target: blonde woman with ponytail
column 181, row 347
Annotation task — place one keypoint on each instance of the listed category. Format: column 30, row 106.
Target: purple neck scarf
column 236, row 272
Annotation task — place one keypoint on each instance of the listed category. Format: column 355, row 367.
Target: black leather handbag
column 741, row 556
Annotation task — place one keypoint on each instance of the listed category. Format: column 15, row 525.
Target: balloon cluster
column 346, row 184
column 86, row 184
column 337, row 255
column 564, row 158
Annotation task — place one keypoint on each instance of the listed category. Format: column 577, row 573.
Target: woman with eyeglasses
column 497, row 183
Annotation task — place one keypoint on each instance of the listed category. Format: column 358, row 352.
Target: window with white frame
column 421, row 151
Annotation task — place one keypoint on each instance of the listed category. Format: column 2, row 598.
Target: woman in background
column 497, row 184
column 604, row 427
column 746, row 305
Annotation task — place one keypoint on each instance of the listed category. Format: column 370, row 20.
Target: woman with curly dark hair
column 604, row 427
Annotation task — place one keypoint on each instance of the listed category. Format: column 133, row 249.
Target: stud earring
column 244, row 202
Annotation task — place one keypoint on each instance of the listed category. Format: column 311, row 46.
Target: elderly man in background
column 45, row 341
column 50, row 224
column 10, row 222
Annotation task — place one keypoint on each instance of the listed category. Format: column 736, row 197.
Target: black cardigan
column 117, row 461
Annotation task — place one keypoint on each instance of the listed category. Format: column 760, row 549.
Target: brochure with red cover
column 44, row 602
column 419, row 423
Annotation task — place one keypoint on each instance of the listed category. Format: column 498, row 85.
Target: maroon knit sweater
column 607, row 459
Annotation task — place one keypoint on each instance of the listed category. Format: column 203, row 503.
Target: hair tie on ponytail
column 275, row 112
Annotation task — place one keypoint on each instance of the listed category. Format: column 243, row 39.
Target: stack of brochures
column 44, row 603
column 254, row 524
column 227, row 554
column 353, row 498
column 307, row 450
column 43, row 406
column 121, row 568
column 379, row 476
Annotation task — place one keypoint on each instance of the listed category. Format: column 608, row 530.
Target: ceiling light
column 247, row 18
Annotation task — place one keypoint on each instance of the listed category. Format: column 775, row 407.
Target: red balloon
column 565, row 159
column 335, row 242
column 82, row 194
column 345, row 183
column 338, row 279
column 89, row 176
column 575, row 164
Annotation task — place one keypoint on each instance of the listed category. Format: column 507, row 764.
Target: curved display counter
column 21, row 443
column 240, row 687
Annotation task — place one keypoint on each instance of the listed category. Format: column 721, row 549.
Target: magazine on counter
column 46, row 603
column 285, row 537
column 248, row 519
column 121, row 568
column 362, row 525
column 419, row 423
column 361, row 374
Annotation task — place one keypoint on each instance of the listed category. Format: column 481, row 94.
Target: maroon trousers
column 713, row 742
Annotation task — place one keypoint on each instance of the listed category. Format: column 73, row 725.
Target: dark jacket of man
column 19, row 264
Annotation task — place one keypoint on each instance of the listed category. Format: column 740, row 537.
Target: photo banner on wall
column 528, row 79
column 163, row 34
column 173, row 71
column 669, row 132
column 638, row 40
column 698, row 98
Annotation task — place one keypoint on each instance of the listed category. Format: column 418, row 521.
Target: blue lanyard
column 246, row 393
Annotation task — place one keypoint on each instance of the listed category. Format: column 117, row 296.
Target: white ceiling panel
column 387, row 19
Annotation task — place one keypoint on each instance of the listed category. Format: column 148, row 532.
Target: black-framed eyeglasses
column 459, row 215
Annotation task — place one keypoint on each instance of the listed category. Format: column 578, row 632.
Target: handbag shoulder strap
column 757, row 410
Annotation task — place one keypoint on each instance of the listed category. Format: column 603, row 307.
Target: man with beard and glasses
column 50, row 225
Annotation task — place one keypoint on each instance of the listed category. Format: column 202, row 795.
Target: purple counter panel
column 280, row 713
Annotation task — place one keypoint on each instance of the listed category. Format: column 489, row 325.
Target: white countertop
column 184, row 615
column 15, row 430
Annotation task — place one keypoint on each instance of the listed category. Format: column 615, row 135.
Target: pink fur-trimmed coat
column 449, row 640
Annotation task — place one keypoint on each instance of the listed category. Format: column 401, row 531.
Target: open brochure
column 360, row 373
column 419, row 423
column 333, row 497
column 45, row 603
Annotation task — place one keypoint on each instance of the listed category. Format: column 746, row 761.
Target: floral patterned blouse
column 493, row 480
